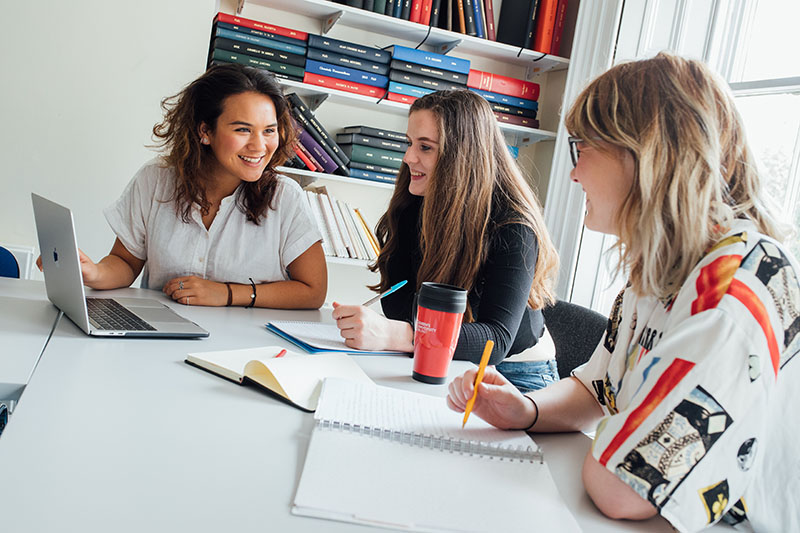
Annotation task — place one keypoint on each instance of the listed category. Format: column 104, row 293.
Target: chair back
column 9, row 268
column 576, row 332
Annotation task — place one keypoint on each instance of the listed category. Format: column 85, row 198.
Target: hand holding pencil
column 496, row 400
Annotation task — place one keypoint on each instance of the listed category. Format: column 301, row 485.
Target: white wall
column 82, row 82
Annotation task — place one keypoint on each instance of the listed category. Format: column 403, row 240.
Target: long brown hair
column 693, row 169
column 200, row 102
column 474, row 172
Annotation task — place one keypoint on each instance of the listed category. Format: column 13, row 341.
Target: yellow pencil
column 487, row 351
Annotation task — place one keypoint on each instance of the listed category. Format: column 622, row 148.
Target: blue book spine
column 372, row 176
column 348, row 61
column 344, row 73
column 261, row 41
column 497, row 98
column 260, row 33
column 349, row 49
column 408, row 90
column 398, row 9
column 476, row 10
column 421, row 57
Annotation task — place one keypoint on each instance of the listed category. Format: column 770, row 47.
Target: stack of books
column 375, row 154
column 315, row 149
column 346, row 66
column 258, row 44
column 534, row 24
column 345, row 232
column 513, row 101
column 415, row 73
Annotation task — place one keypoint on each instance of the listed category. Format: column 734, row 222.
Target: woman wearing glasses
column 693, row 390
column 462, row 214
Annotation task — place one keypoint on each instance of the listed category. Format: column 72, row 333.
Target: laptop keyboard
column 105, row 313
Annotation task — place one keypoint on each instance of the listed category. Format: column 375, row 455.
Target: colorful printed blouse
column 702, row 391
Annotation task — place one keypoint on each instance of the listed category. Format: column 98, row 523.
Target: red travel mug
column 440, row 309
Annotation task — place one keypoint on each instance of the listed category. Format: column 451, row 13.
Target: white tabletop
column 120, row 434
column 26, row 320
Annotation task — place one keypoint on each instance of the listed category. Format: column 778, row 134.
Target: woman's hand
column 365, row 329
column 191, row 290
column 498, row 402
column 89, row 268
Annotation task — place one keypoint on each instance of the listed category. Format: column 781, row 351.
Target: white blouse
column 233, row 249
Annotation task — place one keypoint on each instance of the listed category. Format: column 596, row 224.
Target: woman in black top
column 462, row 214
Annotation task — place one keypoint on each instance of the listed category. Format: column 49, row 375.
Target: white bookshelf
column 438, row 40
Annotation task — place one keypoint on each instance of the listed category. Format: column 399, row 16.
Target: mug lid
column 442, row 297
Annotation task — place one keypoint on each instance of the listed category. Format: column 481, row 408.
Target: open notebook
column 318, row 337
column 295, row 377
column 399, row 459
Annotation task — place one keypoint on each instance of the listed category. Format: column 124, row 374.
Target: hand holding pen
column 364, row 329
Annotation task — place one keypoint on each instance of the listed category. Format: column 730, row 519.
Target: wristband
column 230, row 295
column 253, row 299
column 535, row 418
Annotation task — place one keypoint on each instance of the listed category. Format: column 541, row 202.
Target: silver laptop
column 129, row 317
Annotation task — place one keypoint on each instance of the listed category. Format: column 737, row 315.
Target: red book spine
column 545, row 21
column 306, row 161
column 342, row 85
column 558, row 28
column 519, row 121
column 316, row 164
column 256, row 25
column 490, row 33
column 495, row 83
column 416, row 10
column 425, row 18
column 394, row 97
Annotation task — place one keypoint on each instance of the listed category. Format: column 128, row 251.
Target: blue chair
column 9, row 268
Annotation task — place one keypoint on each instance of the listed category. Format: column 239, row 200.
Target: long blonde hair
column 474, row 171
column 693, row 169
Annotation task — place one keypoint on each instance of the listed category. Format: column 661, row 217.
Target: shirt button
column 201, row 259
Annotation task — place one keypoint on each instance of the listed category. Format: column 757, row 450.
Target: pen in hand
column 487, row 351
column 389, row 291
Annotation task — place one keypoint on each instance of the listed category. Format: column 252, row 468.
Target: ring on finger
column 180, row 285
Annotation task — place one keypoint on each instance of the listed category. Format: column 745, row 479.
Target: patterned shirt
column 701, row 391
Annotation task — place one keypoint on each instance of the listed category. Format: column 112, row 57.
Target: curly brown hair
column 202, row 101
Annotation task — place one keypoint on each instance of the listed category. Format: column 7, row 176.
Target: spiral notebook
column 318, row 337
column 400, row 460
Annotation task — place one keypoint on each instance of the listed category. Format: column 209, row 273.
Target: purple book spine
column 319, row 153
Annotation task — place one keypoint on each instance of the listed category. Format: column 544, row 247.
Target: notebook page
column 388, row 408
column 354, row 478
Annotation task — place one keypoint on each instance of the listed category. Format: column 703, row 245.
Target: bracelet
column 230, row 294
column 253, row 295
column 535, row 418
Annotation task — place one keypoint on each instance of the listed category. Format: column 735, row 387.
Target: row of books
column 398, row 73
column 534, row 24
column 345, row 232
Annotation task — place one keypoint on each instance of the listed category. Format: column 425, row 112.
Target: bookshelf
column 336, row 109
column 315, row 96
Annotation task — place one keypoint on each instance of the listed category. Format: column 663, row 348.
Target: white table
column 27, row 319
column 121, row 435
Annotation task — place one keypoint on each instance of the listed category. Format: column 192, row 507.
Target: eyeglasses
column 574, row 153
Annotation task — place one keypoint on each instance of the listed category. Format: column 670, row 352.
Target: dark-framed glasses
column 574, row 153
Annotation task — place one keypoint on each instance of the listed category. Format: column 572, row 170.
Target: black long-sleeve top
column 498, row 300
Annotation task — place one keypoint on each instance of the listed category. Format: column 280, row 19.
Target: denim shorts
column 529, row 375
